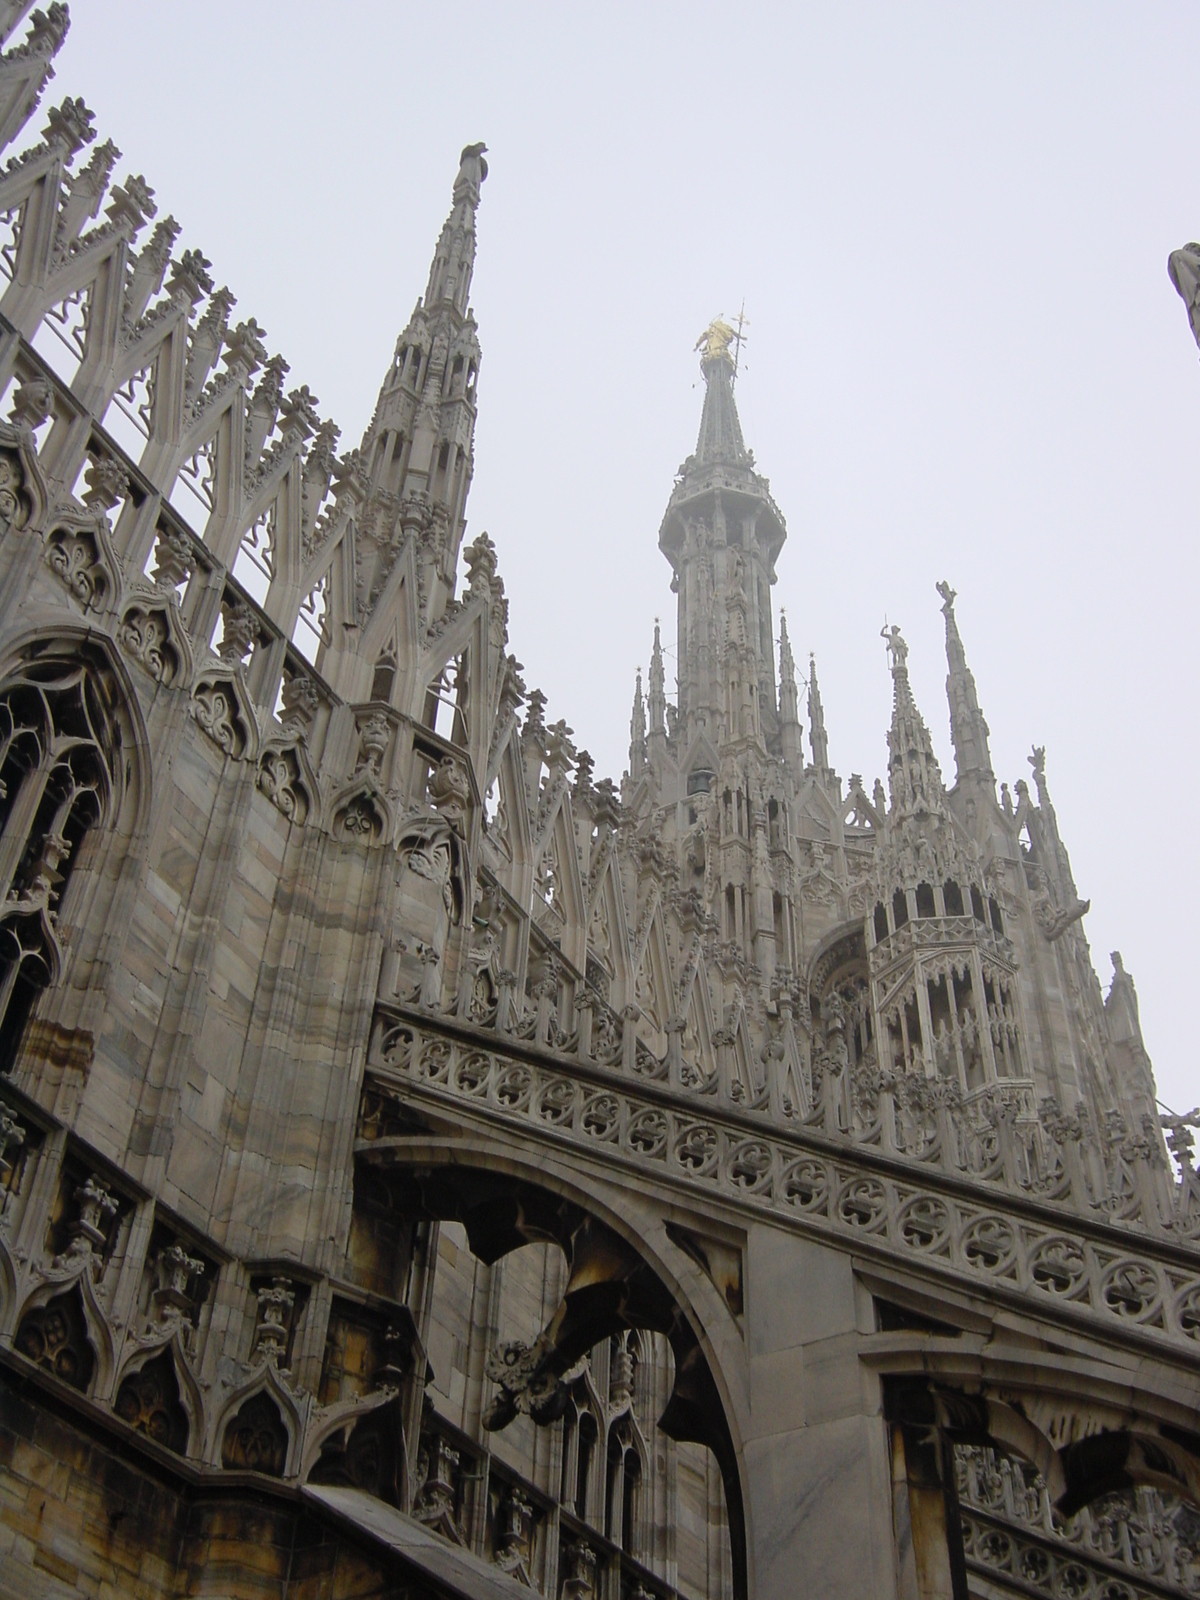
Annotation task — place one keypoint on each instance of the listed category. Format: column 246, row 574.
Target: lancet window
column 60, row 771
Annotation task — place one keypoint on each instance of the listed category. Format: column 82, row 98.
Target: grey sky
column 950, row 227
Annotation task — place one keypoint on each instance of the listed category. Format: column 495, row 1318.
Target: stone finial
column 240, row 631
column 107, row 483
column 32, row 402
column 176, row 1271
column 276, row 1302
column 70, row 125
column 172, row 558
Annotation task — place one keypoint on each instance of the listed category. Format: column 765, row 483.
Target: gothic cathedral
column 428, row 1169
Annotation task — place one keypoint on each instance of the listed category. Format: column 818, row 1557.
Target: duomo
column 428, row 1168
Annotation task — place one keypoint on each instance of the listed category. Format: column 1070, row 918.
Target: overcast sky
column 949, row 226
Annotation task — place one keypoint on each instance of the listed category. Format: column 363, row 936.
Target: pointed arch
column 166, row 1348
column 608, row 928
column 654, row 985
column 508, row 825
column 223, row 709
column 395, row 620
column 33, row 1328
column 266, row 1382
column 558, row 884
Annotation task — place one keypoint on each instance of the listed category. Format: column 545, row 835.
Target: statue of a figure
column 713, row 344
column 472, row 170
column 894, row 640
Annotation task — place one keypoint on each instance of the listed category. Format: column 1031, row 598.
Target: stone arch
column 24, row 494
column 360, row 814
column 74, row 753
column 1086, row 1431
column 617, row 1279
column 336, row 1425
column 281, row 1460
column 64, row 1314
column 151, row 633
column 286, row 777
column 190, row 1398
column 148, row 1399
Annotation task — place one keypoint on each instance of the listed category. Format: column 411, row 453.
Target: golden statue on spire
column 713, row 344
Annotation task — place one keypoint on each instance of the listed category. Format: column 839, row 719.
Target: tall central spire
column 720, row 436
column 722, row 534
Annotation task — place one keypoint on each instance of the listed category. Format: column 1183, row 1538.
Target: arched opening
column 588, row 1435
column 881, row 922
column 148, row 1400
column 550, row 1340
column 630, row 1501
column 925, row 902
column 1097, row 1508
column 64, row 771
column 900, row 908
column 952, row 898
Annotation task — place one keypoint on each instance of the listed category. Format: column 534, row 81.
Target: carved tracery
column 61, row 774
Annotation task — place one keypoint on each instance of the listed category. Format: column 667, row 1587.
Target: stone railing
column 1136, row 1542
column 1000, row 1136
column 1025, row 1246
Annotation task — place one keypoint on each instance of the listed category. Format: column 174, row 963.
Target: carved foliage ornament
column 281, row 779
column 80, row 551
column 152, row 634
column 222, row 710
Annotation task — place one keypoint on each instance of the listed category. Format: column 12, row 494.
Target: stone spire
column 656, row 706
column 637, row 733
column 968, row 730
column 914, row 777
column 789, row 701
column 418, row 452
column 722, row 534
column 720, row 437
column 454, row 259
column 816, row 721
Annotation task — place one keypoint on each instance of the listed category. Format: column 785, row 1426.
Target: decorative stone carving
column 107, row 483
column 580, row 1566
column 174, row 1296
column 282, row 779
column 240, row 630
column 153, row 635
column 360, row 816
column 172, row 558
column 374, row 732
column 220, row 706
column 256, row 1439
column 148, row 1400
column 300, row 702
column 273, row 1328
column 81, row 554
column 88, row 1233
column 54, row 1336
